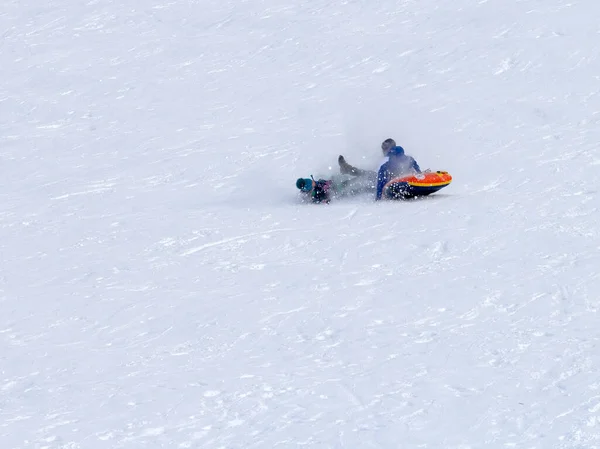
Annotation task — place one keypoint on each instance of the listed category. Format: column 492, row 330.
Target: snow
column 162, row 287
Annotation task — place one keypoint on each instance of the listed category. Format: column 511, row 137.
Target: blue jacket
column 395, row 164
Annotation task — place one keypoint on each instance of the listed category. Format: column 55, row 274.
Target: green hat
column 304, row 184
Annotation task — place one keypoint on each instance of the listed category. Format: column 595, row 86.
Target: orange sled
column 421, row 184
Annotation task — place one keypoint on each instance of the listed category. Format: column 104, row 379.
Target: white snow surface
column 161, row 286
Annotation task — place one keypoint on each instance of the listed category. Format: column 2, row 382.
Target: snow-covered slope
column 161, row 286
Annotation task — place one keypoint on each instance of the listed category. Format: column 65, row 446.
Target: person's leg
column 356, row 185
column 347, row 169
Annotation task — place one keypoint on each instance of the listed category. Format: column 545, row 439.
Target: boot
column 345, row 167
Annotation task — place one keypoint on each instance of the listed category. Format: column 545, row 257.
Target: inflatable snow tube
column 421, row 184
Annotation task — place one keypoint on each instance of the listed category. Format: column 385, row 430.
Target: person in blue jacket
column 396, row 163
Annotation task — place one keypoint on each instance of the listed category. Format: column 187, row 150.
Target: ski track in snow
column 161, row 286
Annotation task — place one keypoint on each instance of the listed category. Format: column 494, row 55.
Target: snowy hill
column 162, row 287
